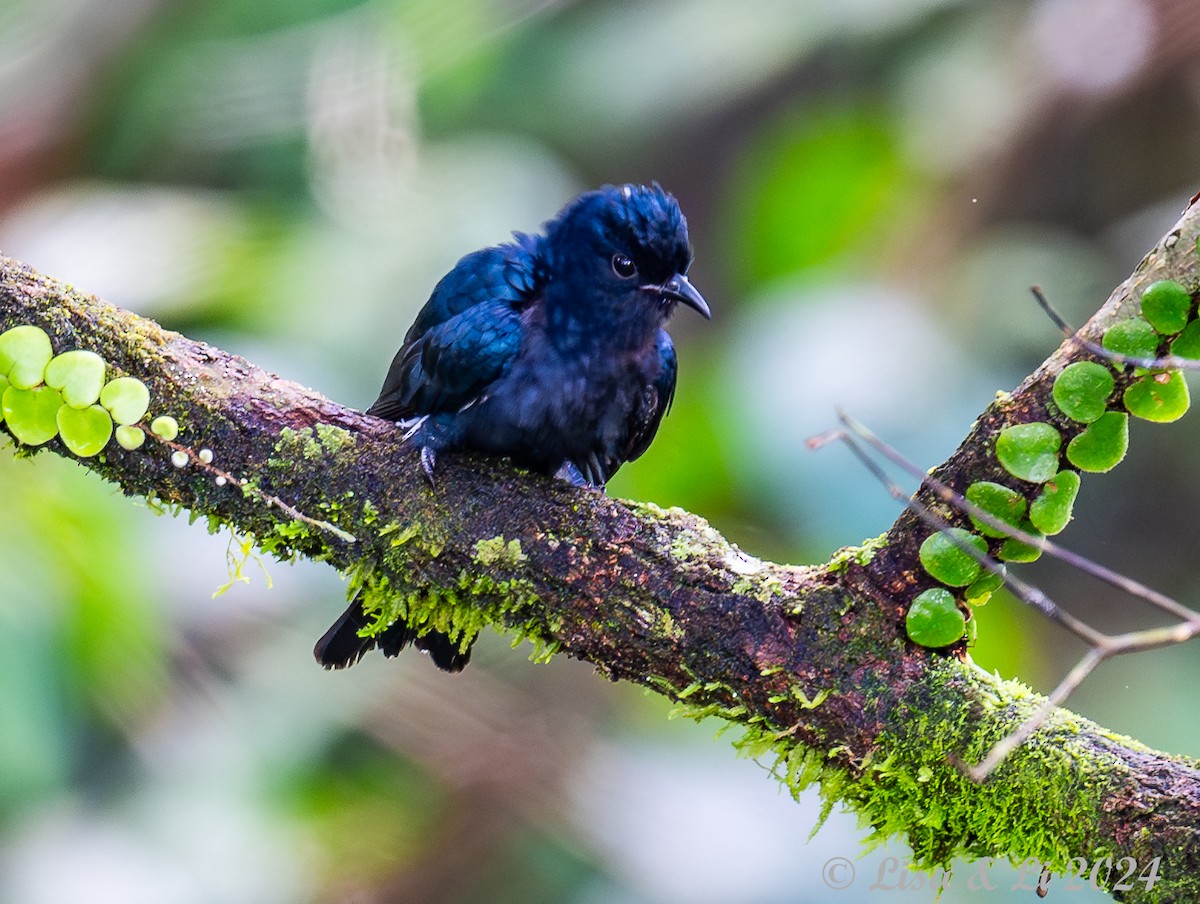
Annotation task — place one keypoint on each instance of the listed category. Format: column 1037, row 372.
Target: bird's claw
column 428, row 461
column 570, row 472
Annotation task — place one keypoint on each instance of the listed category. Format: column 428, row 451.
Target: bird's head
column 629, row 245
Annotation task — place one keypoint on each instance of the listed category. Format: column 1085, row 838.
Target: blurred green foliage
column 814, row 187
column 83, row 645
column 357, row 785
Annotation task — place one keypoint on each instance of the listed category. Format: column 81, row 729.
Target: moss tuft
column 309, row 444
column 495, row 551
column 910, row 787
column 857, row 555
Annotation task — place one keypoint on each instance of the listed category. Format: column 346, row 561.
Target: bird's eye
column 623, row 267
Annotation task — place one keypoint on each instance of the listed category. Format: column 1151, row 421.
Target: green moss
column 495, row 552
column 693, row 540
column 238, row 554
column 370, row 514
column 687, row 547
column 912, row 790
column 909, row 787
column 759, row 586
column 334, row 439
column 857, row 555
column 496, row 594
column 308, row 444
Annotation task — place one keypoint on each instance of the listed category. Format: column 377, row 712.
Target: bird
column 549, row 350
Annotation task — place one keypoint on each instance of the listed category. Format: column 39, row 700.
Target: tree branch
column 812, row 661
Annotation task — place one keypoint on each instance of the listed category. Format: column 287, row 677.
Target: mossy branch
column 812, row 661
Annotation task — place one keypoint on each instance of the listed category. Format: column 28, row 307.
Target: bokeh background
column 872, row 186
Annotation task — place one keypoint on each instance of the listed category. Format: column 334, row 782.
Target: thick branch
column 812, row 660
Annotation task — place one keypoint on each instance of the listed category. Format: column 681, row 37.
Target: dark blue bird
column 549, row 350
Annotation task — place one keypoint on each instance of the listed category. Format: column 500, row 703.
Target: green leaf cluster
column 43, row 395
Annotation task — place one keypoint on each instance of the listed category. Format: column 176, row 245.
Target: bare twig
column 1169, row 362
column 1101, row 646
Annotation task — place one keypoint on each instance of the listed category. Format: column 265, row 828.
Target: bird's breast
column 552, row 406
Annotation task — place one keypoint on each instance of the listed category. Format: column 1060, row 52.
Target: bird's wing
column 466, row 334
column 504, row 272
column 656, row 401
column 450, row 366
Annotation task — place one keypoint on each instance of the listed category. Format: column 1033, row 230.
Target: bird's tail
column 342, row 646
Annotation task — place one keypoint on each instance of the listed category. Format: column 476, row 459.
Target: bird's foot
column 569, row 471
column 571, row 474
column 428, row 461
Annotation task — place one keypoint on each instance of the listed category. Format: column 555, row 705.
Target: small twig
column 1101, row 646
column 1027, row 592
column 1170, row 362
column 204, row 463
column 1049, row 547
column 1006, row 745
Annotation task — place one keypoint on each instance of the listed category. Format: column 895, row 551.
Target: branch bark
column 811, row 660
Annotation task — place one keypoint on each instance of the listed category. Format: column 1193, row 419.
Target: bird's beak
column 678, row 288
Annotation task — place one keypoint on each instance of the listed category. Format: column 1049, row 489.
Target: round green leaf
column 1133, row 337
column 165, row 426
column 1082, row 390
column 1187, row 343
column 126, row 399
column 1051, row 511
column 1102, row 446
column 1013, row 550
column 30, row 413
column 1166, row 304
column 3, row 386
column 1160, row 397
column 78, row 375
column 998, row 501
column 946, row 560
column 130, row 438
column 1029, row 451
column 24, row 353
column 980, row 590
column 934, row 619
column 85, row 431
